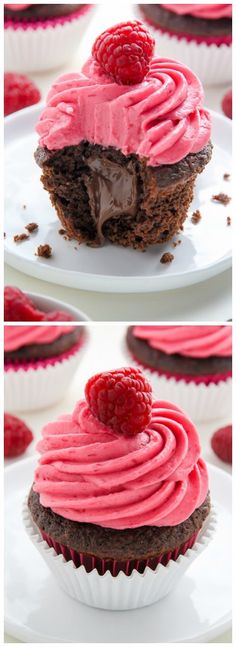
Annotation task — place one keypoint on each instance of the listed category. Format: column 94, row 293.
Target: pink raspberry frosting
column 88, row 473
column 161, row 119
column 209, row 11
column 17, row 7
column 191, row 341
column 18, row 336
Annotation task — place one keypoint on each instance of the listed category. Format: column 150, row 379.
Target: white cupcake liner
column 36, row 388
column 200, row 401
column 212, row 64
column 121, row 592
column 44, row 48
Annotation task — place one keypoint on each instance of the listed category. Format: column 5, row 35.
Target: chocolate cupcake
column 107, row 502
column 191, row 364
column 40, row 37
column 121, row 167
column 39, row 363
column 200, row 35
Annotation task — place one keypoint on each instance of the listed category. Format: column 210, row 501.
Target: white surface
column 111, row 268
column 210, row 300
column 104, row 351
column 37, row 610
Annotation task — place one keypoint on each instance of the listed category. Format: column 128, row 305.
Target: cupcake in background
column 120, row 503
column 199, row 35
column 39, row 364
column 39, row 37
column 192, row 365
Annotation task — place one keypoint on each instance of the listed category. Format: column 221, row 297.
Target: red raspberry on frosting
column 124, row 51
column 221, row 443
column 227, row 104
column 19, row 92
column 121, row 399
column 17, row 436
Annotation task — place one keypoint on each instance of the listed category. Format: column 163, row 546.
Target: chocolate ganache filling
column 112, row 190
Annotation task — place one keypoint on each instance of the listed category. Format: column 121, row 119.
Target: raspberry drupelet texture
column 17, row 436
column 121, row 399
column 19, row 92
column 124, row 51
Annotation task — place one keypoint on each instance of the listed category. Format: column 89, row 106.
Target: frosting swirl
column 88, row 473
column 18, row 336
column 161, row 119
column 208, row 11
column 191, row 341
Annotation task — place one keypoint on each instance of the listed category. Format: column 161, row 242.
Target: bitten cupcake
column 120, row 502
column 190, row 364
column 42, row 36
column 39, row 363
column 122, row 142
column 199, row 35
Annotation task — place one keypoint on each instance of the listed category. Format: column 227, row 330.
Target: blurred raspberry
column 19, row 92
column 17, row 436
column 124, row 51
column 227, row 104
column 19, row 307
column 121, row 399
column 221, row 443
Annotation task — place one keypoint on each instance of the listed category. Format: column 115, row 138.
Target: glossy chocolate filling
column 112, row 190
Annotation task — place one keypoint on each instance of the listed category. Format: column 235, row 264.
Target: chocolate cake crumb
column 227, row 176
column 167, row 258
column 176, row 243
column 196, row 217
column 23, row 206
column 4, row 234
column 62, row 232
column 228, row 221
column 222, row 198
column 44, row 251
column 32, row 226
column 18, row 238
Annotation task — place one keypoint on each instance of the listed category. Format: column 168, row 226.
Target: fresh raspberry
column 19, row 307
column 121, row 399
column 17, row 436
column 19, row 92
column 124, row 51
column 227, row 104
column 221, row 443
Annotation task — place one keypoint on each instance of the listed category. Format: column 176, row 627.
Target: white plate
column 205, row 250
column 37, row 610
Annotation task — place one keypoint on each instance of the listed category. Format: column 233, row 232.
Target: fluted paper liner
column 36, row 387
column 121, row 592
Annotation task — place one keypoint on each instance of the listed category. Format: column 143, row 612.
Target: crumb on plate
column 44, row 251
column 18, row 238
column 222, row 198
column 167, row 257
column 227, row 176
column 32, row 226
column 196, row 217
column 228, row 221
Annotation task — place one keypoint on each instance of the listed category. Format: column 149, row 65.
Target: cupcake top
column 16, row 337
column 92, row 472
column 209, row 11
column 17, row 7
column 190, row 341
column 161, row 118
